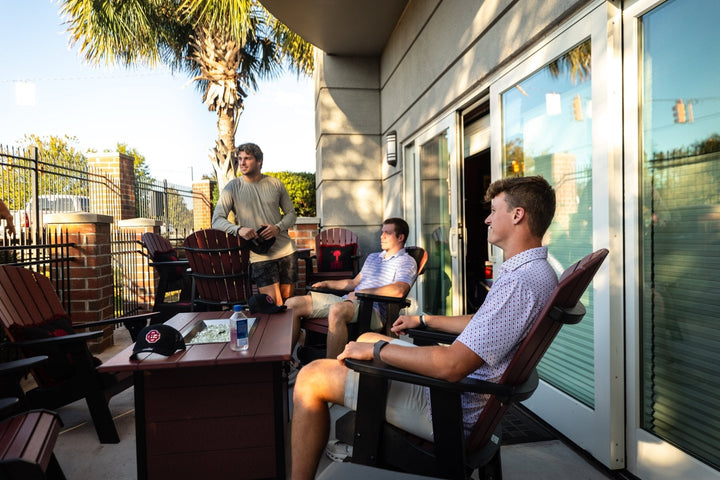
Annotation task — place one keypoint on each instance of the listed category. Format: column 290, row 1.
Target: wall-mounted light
column 391, row 144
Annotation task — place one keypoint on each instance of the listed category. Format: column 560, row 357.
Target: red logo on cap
column 152, row 336
column 270, row 300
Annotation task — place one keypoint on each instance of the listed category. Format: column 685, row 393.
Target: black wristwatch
column 423, row 325
column 376, row 349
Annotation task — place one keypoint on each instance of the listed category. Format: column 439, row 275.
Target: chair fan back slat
column 26, row 297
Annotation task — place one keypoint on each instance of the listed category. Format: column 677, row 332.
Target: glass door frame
column 599, row 430
column 648, row 455
column 411, row 178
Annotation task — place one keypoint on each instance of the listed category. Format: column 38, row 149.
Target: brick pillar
column 145, row 283
column 91, row 275
column 304, row 232
column 121, row 169
column 202, row 209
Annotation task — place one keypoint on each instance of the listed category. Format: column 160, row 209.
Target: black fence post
column 34, row 194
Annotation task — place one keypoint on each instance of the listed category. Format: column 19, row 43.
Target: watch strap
column 376, row 349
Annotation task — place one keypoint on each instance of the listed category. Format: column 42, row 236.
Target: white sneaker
column 338, row 451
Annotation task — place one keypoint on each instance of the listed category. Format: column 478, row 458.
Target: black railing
column 48, row 253
column 171, row 204
column 130, row 274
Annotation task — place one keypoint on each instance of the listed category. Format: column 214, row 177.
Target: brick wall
column 202, row 210
column 91, row 275
column 121, row 169
column 304, row 232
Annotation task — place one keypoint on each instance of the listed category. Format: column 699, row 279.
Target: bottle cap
column 238, row 308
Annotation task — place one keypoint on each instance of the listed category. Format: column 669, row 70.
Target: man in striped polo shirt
column 390, row 272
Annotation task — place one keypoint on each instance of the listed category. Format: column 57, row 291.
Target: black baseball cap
column 261, row 303
column 159, row 340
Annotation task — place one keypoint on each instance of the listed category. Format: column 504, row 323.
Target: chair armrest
column 64, row 340
column 331, row 291
column 111, row 321
column 503, row 392
column 381, row 298
column 430, row 336
column 23, row 365
column 11, row 374
column 367, row 300
column 170, row 263
column 8, row 405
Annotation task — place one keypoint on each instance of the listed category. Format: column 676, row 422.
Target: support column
column 349, row 148
column 121, row 169
column 91, row 275
column 202, row 210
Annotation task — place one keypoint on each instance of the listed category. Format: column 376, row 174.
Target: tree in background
column 301, row 187
column 225, row 46
column 54, row 154
column 142, row 170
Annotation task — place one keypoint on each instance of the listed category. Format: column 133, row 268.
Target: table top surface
column 270, row 342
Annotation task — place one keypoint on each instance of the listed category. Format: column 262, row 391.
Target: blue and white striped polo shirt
column 379, row 271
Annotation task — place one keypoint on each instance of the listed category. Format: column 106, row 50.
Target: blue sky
column 159, row 114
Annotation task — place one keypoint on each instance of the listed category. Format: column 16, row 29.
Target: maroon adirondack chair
column 172, row 276
column 316, row 328
column 336, row 256
column 36, row 323
column 27, row 438
column 451, row 455
column 220, row 269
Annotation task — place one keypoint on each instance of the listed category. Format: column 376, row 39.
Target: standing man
column 390, row 273
column 521, row 211
column 261, row 202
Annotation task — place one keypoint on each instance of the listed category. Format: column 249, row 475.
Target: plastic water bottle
column 238, row 330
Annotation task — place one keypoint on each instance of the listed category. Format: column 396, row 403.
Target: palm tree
column 226, row 46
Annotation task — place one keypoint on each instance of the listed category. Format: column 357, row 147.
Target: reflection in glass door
column 435, row 223
column 547, row 130
column 680, row 208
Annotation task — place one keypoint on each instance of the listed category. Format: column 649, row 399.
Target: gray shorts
column 269, row 272
column 321, row 303
column 407, row 406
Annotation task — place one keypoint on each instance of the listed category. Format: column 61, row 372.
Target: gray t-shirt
column 255, row 204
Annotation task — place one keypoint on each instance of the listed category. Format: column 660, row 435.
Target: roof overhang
column 341, row 27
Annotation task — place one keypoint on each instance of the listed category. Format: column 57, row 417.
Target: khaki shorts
column 321, row 303
column 407, row 406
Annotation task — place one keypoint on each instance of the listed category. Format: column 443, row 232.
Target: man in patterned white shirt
column 522, row 209
column 390, row 272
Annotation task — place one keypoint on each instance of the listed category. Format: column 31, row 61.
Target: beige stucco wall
column 348, row 153
column 440, row 58
column 442, row 52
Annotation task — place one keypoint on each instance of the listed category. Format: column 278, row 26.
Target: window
column 546, row 122
column 680, row 208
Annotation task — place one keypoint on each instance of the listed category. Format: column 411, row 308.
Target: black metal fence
column 171, row 204
column 32, row 185
column 130, row 275
column 47, row 253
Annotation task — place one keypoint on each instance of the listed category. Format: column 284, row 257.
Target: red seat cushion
column 336, row 258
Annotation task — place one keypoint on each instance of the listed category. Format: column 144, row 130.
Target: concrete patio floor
column 82, row 457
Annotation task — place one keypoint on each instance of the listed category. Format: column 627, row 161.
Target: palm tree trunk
column 222, row 158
